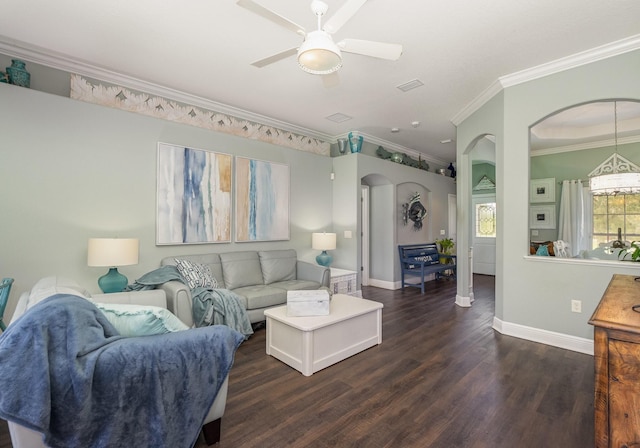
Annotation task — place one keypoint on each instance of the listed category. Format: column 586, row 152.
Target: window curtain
column 575, row 217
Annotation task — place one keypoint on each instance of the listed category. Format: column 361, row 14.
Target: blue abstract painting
column 194, row 196
column 262, row 200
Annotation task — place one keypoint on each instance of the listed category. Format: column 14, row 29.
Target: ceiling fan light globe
column 318, row 54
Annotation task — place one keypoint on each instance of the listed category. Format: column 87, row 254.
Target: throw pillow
column 137, row 320
column 542, row 251
column 196, row 274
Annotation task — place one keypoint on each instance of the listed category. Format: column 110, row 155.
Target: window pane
column 486, row 220
column 633, row 203
column 599, row 223
column 633, row 226
column 600, row 205
column 615, row 222
column 616, row 203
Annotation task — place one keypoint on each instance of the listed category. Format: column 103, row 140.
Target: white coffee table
column 309, row 344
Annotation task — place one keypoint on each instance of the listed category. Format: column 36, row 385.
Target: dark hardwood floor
column 441, row 378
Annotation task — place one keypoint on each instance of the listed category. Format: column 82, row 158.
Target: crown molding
column 63, row 62
column 477, row 103
column 606, row 51
column 581, row 146
column 576, row 60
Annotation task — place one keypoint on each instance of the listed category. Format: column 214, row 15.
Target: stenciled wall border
column 121, row 98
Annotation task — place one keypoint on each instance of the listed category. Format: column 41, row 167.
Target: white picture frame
column 542, row 190
column 542, row 216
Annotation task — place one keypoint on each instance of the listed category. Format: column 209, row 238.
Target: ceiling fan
column 319, row 54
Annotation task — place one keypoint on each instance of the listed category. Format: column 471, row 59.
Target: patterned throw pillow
column 196, row 274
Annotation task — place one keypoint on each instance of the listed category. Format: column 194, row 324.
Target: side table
column 344, row 281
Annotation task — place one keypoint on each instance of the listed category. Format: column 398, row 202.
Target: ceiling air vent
column 338, row 118
column 415, row 83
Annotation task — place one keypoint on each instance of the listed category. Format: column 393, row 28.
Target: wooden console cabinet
column 617, row 364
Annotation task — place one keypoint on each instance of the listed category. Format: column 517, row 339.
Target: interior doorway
column 364, row 210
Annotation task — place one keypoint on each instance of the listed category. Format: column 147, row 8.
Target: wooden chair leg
column 211, row 432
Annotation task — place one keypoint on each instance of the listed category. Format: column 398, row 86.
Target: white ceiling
column 600, row 123
column 457, row 48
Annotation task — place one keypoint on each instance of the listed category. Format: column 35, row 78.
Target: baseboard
column 565, row 341
column 384, row 284
column 464, row 302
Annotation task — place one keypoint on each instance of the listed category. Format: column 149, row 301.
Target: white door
column 484, row 234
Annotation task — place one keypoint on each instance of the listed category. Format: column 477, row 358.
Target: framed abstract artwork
column 542, row 190
column 262, row 200
column 193, row 196
column 542, row 217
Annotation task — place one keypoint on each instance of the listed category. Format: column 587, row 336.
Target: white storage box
column 308, row 303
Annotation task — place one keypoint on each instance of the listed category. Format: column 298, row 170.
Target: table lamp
column 324, row 242
column 112, row 252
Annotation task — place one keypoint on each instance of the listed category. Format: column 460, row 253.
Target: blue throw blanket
column 66, row 373
column 209, row 306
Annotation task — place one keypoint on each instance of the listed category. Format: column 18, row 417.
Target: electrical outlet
column 442, row 232
column 534, row 233
column 576, row 306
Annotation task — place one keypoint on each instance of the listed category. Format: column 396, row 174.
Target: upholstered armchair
column 24, row 437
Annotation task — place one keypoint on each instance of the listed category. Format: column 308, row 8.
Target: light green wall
column 529, row 291
column 483, row 169
column 574, row 165
column 71, row 170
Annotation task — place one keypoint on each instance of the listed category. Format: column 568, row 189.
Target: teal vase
column 355, row 142
column 18, row 74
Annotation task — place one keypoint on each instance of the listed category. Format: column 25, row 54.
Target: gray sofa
column 260, row 278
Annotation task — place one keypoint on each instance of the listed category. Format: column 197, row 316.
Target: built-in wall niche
column 565, row 147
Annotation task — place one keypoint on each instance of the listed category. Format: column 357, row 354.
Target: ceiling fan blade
column 270, row 15
column 380, row 50
column 343, row 15
column 275, row 58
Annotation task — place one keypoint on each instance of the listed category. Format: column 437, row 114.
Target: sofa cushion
column 241, row 269
column 136, row 320
column 210, row 260
column 278, row 265
column 294, row 285
column 196, row 274
column 261, row 296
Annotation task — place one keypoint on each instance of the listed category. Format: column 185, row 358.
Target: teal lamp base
column 324, row 259
column 112, row 281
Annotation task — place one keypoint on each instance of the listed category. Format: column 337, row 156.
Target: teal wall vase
column 355, row 142
column 18, row 74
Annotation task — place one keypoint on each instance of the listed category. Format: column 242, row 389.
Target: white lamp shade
column 616, row 183
column 112, row 252
column 323, row 241
column 318, row 54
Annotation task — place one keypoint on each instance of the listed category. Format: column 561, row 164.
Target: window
column 613, row 214
column 486, row 220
